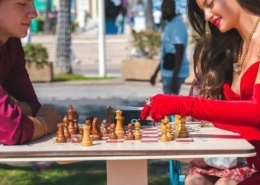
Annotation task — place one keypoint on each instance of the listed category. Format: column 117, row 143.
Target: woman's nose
column 208, row 14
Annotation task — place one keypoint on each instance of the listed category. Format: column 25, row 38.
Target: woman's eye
column 210, row 4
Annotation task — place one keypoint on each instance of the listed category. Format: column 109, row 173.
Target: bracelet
column 13, row 100
column 43, row 122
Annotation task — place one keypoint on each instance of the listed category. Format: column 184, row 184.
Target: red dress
column 252, row 134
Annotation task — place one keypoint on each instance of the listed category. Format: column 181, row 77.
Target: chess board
column 150, row 134
column 206, row 141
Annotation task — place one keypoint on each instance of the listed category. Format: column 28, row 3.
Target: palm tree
column 47, row 22
column 63, row 63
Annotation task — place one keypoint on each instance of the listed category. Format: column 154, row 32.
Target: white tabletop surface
column 203, row 142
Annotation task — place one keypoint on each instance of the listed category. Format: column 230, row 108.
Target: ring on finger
column 148, row 101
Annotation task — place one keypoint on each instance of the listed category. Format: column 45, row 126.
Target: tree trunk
column 149, row 15
column 63, row 59
column 47, row 22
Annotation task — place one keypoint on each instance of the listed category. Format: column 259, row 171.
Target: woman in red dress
column 228, row 56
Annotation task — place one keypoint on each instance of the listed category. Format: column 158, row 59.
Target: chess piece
column 96, row 133
column 110, row 115
column 130, row 135
column 75, row 122
column 169, row 132
column 86, row 140
column 65, row 120
column 177, row 124
column 76, row 115
column 104, row 127
column 137, row 133
column 70, row 113
column 112, row 135
column 183, row 131
column 88, row 122
column 119, row 130
column 71, row 128
column 60, row 134
column 164, row 137
column 66, row 132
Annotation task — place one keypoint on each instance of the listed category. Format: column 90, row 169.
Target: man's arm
column 178, row 61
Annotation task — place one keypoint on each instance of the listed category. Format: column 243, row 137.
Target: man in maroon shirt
column 22, row 118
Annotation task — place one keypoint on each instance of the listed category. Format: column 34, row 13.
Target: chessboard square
column 105, row 137
column 150, row 132
column 150, row 136
column 149, row 140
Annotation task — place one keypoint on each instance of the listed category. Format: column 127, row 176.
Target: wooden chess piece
column 112, row 135
column 110, row 115
column 169, row 132
column 88, row 122
column 164, row 137
column 65, row 120
column 71, row 128
column 66, row 132
column 177, row 124
column 96, row 133
column 86, row 139
column 104, row 127
column 119, row 130
column 137, row 133
column 183, row 131
column 75, row 122
column 70, row 113
column 60, row 134
column 76, row 115
column 130, row 135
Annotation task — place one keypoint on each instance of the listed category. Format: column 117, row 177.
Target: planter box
column 40, row 72
column 138, row 69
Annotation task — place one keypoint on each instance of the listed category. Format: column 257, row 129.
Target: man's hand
column 175, row 85
column 50, row 116
column 153, row 79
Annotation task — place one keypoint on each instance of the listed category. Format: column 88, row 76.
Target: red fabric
column 253, row 180
column 241, row 113
column 15, row 128
column 239, row 173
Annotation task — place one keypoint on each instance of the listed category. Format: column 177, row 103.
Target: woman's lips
column 216, row 22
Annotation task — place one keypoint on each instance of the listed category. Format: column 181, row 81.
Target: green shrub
column 147, row 42
column 40, row 24
column 35, row 53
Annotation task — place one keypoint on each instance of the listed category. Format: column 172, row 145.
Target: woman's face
column 15, row 18
column 223, row 14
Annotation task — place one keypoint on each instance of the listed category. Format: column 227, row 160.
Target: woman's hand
column 198, row 163
column 159, row 106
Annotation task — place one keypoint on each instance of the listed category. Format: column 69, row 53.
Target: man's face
column 167, row 10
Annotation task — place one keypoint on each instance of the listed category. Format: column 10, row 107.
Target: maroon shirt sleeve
column 18, row 83
column 15, row 128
